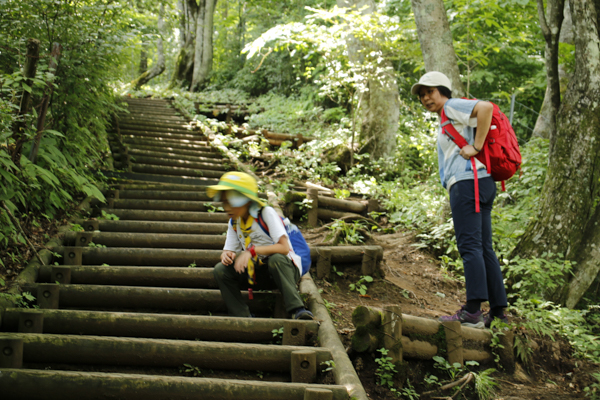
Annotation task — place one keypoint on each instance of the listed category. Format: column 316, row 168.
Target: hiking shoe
column 466, row 318
column 302, row 313
column 488, row 319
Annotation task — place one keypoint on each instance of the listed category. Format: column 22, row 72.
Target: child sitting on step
column 251, row 257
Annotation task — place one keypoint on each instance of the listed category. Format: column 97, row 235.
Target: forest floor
column 415, row 281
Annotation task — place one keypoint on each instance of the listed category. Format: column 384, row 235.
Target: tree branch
column 16, row 223
column 543, row 24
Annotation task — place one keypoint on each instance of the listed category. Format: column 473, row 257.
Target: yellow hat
column 238, row 181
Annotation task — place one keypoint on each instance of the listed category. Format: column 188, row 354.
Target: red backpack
column 500, row 152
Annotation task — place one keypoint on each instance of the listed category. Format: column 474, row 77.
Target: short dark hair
column 444, row 91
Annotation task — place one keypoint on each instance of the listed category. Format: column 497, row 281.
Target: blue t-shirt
column 452, row 166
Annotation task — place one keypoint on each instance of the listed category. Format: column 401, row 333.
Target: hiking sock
column 473, row 306
column 497, row 312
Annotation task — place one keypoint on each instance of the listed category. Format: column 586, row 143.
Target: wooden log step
column 174, row 171
column 213, row 158
column 158, row 326
column 165, row 215
column 176, row 144
column 60, row 385
column 144, row 117
column 205, row 228
column 196, row 136
column 169, row 162
column 169, row 179
column 148, row 108
column 103, row 350
column 174, row 205
column 329, row 202
column 173, row 150
column 139, row 256
column 101, row 297
column 179, row 128
column 148, row 240
column 195, row 143
column 344, row 254
column 183, row 277
column 159, row 131
column 134, row 185
column 151, row 124
column 199, row 195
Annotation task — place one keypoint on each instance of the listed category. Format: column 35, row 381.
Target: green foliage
column 327, row 366
column 108, row 216
column 361, row 285
column 76, row 228
column 211, row 208
column 484, row 384
column 498, row 46
column 23, row 300
column 593, row 391
column 92, row 36
column 190, row 370
column 386, row 371
column 535, row 277
column 349, row 233
column 277, row 335
column 547, row 319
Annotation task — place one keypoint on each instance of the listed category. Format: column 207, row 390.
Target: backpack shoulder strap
column 449, row 130
column 232, row 224
column 261, row 222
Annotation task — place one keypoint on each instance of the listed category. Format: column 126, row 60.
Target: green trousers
column 278, row 273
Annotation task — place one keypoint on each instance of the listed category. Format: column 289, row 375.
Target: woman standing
column 473, row 230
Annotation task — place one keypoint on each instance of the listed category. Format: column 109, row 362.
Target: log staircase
column 131, row 309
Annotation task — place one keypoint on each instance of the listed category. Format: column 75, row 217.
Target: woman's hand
column 468, row 151
column 227, row 257
column 241, row 262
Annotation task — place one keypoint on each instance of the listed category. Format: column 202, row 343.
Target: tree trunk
column 184, row 65
column 380, row 104
column 435, row 38
column 159, row 67
column 143, row 58
column 568, row 221
column 29, row 70
column 546, row 121
column 203, row 57
column 207, row 54
column 551, row 22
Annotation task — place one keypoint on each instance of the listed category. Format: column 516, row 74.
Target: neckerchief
column 246, row 230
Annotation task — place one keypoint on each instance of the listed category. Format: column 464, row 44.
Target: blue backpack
column 296, row 239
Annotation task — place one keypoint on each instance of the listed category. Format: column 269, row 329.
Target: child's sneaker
column 466, row 318
column 302, row 313
column 488, row 319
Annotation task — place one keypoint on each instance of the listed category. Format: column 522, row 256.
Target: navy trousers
column 483, row 276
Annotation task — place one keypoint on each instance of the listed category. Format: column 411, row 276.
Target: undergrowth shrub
column 92, row 36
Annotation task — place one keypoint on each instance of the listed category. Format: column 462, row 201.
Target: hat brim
column 415, row 88
column 211, row 191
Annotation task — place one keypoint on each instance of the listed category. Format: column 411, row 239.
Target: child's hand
column 227, row 257
column 241, row 262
